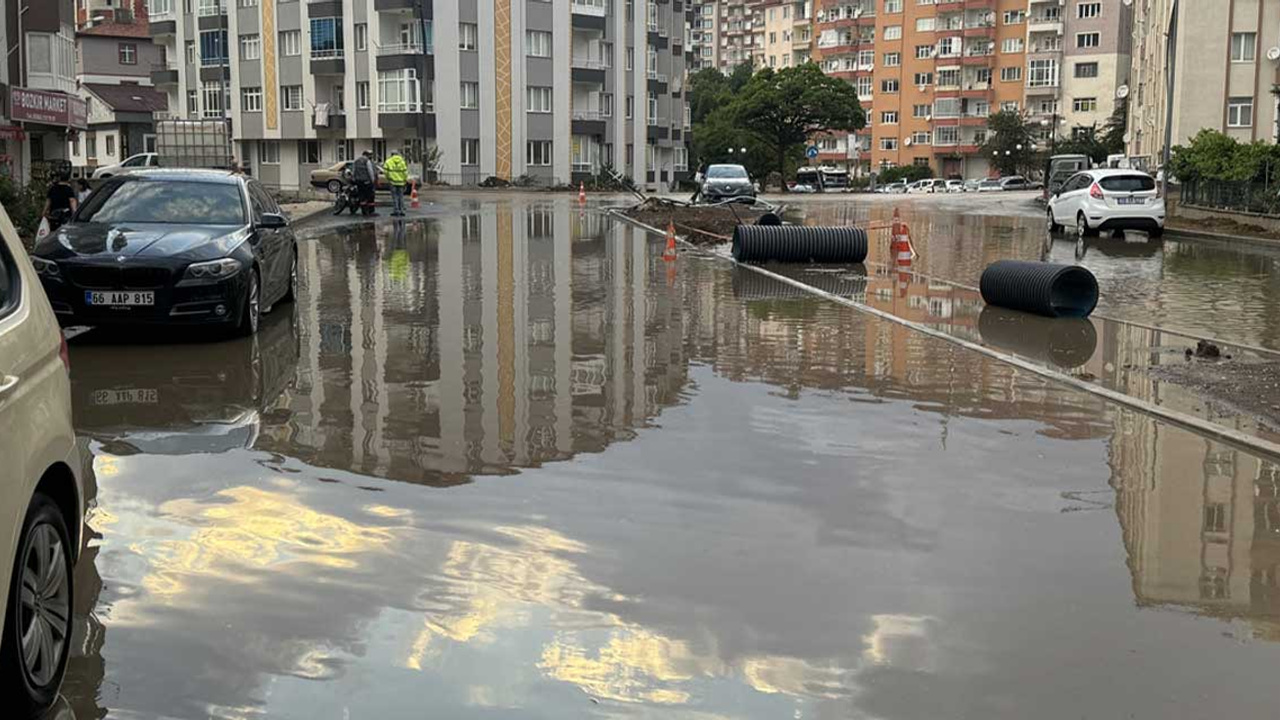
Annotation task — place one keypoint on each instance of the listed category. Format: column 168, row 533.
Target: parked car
column 334, row 177
column 894, row 187
column 1106, row 199
column 724, row 181
column 41, row 499
column 930, row 185
column 1014, row 182
column 133, row 163
column 972, row 185
column 171, row 247
column 955, row 186
column 991, row 185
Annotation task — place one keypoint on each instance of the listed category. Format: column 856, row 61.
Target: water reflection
column 731, row 502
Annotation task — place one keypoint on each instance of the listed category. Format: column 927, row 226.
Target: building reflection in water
column 481, row 343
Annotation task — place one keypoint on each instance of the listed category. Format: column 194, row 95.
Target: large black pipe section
column 851, row 282
column 1061, row 342
column 1041, row 288
column 799, row 244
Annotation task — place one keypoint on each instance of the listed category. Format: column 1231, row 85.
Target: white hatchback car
column 133, row 163
column 41, row 498
column 1105, row 199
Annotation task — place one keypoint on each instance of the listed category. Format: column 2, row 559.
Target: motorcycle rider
column 365, row 173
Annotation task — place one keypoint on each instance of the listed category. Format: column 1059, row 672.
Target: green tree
column 708, row 90
column 1112, row 137
column 1010, row 144
column 718, row 134
column 910, row 173
column 785, row 107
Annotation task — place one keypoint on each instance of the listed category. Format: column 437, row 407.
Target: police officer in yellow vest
column 397, row 171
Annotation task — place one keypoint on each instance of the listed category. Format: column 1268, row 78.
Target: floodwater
column 1219, row 290
column 507, row 462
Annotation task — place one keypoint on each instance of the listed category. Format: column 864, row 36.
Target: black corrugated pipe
column 799, row 244
column 751, row 285
column 1063, row 342
column 1041, row 288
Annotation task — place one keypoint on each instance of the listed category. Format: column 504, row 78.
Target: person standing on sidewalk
column 397, row 176
column 365, row 172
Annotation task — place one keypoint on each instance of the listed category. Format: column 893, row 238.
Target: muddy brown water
column 508, row 462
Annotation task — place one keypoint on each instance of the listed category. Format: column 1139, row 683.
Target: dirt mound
column 700, row 224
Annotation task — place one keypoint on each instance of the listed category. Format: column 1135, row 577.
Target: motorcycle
column 347, row 198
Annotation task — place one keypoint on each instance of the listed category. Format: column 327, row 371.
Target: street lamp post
column 1172, row 59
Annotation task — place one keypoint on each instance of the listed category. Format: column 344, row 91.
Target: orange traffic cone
column 903, row 252
column 670, row 252
column 413, row 196
column 582, row 192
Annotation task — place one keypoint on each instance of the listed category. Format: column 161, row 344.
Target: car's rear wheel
column 37, row 631
column 335, row 186
column 251, row 313
column 1082, row 226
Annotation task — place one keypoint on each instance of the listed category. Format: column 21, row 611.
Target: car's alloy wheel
column 292, row 292
column 1053, row 226
column 1082, row 226
column 252, row 312
column 38, row 621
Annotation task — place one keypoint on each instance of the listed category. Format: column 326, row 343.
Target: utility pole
column 419, row 18
column 1171, row 61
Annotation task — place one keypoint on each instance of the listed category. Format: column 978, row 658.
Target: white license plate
column 119, row 298
column 1131, row 201
column 131, row 396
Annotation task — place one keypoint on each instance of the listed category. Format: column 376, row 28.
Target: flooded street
column 505, row 461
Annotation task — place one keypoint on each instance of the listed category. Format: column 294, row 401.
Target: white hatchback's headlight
column 211, row 271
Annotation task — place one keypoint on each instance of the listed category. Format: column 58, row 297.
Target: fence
column 1251, row 197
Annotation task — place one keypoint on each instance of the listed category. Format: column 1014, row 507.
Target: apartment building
column 927, row 73
column 1224, row 71
column 552, row 90
column 786, row 34
column 42, row 111
column 1078, row 62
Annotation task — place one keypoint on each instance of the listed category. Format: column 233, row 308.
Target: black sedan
column 171, row 247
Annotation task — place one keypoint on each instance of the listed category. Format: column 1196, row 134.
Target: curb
column 1177, row 232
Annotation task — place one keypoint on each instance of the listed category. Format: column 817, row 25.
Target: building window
column 251, row 99
column 1043, row 73
column 539, row 99
column 949, row 46
column 291, row 97
column 398, row 92
column 537, row 43
column 983, row 76
column 468, row 33
column 1011, row 74
column 91, row 146
column 213, row 47
column 923, row 78
column 606, row 104
column 893, row 32
column 867, row 58
column 326, row 38
column 924, row 52
column 921, row 138
column 1009, row 106
column 191, row 52
column 470, row 151
column 209, row 8
column 538, row 153
column 1088, row 40
column 889, row 117
column 309, row 152
column 1240, row 112
column 920, row 111
column 248, row 3
column 893, row 6
column 193, row 103
column 1084, row 104
column 1087, row 10
column 469, row 97
column 653, row 110
column 344, row 150
column 1086, row 70
column 211, row 93
column 863, row 86
column 1015, row 17
column 892, row 59
column 250, row 47
column 111, row 144
column 889, row 143
column 889, row 86
column 926, row 24
column 631, row 106
column 128, row 54
column 1011, row 45
column 362, row 36
column 1242, row 46
column 290, row 43
column 269, row 152
column 362, row 95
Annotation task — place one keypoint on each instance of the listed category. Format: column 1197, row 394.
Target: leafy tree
column 1213, row 155
column 1010, row 144
column 1113, row 130
column 718, row 133
column 740, row 76
column 708, row 90
column 910, row 173
column 785, row 107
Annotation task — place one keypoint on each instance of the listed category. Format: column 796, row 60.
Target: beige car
column 41, row 498
column 332, row 178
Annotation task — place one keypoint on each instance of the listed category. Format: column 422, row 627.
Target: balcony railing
column 653, row 27
column 405, row 107
column 587, row 63
column 581, row 167
column 209, row 10
column 599, row 8
column 213, row 62
column 655, row 75
column 412, row 48
column 577, row 114
column 331, row 54
column 162, row 16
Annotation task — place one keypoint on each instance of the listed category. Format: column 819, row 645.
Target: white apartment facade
column 504, row 88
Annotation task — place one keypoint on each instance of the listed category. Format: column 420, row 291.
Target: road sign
column 811, row 152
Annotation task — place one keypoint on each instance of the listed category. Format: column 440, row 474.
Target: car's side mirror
column 272, row 221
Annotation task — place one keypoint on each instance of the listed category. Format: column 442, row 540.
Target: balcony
column 1043, row 88
column 588, row 63
column 403, row 56
column 333, row 120
column 406, row 6
column 163, row 25
column 212, row 9
column 588, row 70
column 163, row 75
column 658, row 77
column 328, row 62
column 1042, row 24
column 587, row 121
